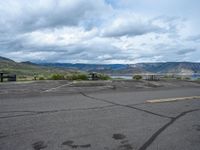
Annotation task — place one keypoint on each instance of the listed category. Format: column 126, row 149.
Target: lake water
column 122, row 77
column 193, row 77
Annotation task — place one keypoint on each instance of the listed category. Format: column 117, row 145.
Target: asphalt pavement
column 59, row 116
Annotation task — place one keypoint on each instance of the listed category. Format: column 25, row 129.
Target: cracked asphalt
column 59, row 115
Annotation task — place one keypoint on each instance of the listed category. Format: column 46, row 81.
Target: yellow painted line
column 172, row 99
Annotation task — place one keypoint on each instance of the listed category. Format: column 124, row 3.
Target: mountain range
column 26, row 68
column 8, row 65
column 129, row 69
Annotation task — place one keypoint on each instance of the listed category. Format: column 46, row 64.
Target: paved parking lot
column 60, row 115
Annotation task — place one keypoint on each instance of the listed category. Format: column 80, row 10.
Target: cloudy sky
column 100, row 31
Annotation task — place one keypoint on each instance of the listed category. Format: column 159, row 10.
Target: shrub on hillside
column 41, row 78
column 76, row 76
column 82, row 77
column 178, row 78
column 187, row 78
column 103, row 77
column 57, row 77
column 137, row 77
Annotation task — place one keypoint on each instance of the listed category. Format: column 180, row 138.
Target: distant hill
column 86, row 67
column 168, row 67
column 27, row 68
column 3, row 59
column 29, row 63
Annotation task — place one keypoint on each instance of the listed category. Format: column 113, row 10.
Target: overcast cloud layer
column 100, row 31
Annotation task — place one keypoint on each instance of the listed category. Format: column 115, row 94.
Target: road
column 53, row 119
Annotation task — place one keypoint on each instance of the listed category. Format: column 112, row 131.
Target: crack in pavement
column 98, row 99
column 159, row 131
column 127, row 106
column 149, row 112
column 2, row 135
column 18, row 111
column 32, row 113
column 112, row 104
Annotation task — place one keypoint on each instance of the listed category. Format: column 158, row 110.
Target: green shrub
column 137, row 77
column 178, row 78
column 82, row 77
column 187, row 78
column 76, row 76
column 57, row 77
column 68, row 77
column 41, row 78
column 103, row 77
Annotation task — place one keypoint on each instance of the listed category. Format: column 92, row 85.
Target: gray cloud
column 132, row 30
column 33, row 15
column 133, row 27
column 195, row 38
column 177, row 52
column 92, row 32
column 172, row 25
column 185, row 51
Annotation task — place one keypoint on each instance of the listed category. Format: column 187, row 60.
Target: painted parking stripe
column 172, row 99
column 55, row 88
